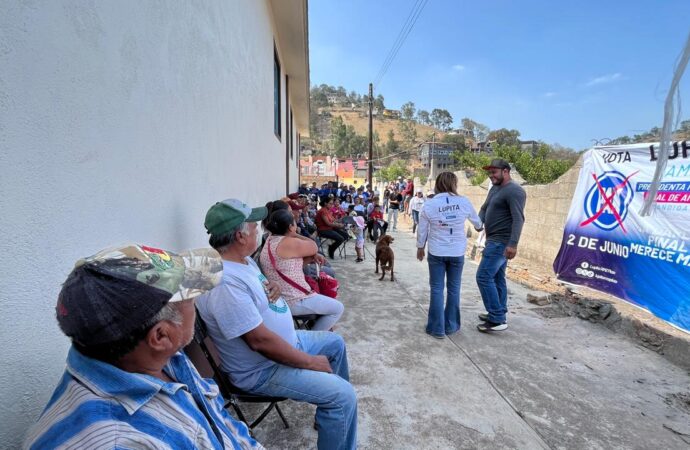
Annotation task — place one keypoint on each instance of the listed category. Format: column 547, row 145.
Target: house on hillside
column 483, row 147
column 391, row 114
column 461, row 132
column 529, row 146
column 195, row 104
column 437, row 153
column 335, row 99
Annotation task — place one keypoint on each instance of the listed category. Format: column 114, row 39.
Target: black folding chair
column 204, row 355
column 305, row 321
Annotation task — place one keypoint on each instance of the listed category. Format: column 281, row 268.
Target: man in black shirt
column 394, row 203
column 503, row 217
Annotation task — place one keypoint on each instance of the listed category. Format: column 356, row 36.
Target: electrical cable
column 400, row 40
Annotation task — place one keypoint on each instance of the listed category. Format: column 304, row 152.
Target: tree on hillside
column 317, row 98
column 423, row 117
column 468, row 125
column 442, row 119
column 476, row 130
column 378, row 103
column 539, row 168
column 503, row 136
column 457, row 140
column 408, row 132
column 345, row 141
column 393, row 171
column 407, row 111
column 391, row 144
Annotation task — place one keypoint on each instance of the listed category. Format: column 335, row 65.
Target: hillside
column 381, row 125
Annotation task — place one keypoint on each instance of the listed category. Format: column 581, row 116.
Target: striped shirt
column 98, row 406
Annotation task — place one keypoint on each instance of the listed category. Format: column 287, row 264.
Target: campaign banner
column 608, row 246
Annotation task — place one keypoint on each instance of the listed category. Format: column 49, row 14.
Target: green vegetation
column 544, row 166
column 653, row 135
column 393, row 171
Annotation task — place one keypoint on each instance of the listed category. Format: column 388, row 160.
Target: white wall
column 119, row 121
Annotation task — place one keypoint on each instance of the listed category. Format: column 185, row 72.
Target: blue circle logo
column 607, row 201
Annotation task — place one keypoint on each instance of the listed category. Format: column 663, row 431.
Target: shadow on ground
column 546, row 382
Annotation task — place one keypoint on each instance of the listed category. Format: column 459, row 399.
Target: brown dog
column 385, row 255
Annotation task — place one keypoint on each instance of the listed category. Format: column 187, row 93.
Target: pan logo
column 607, row 201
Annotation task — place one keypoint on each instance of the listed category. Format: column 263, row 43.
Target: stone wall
column 545, row 214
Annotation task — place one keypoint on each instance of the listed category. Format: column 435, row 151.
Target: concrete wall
column 545, row 214
column 119, row 121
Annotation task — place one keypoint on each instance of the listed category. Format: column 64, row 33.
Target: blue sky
column 561, row 72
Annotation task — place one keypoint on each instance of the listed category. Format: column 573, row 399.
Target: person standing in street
column 394, row 202
column 503, row 216
column 416, row 205
column 442, row 225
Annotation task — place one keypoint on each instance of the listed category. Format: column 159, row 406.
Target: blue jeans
column 491, row 279
column 446, row 320
column 333, row 395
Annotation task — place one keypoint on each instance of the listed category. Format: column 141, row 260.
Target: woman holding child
column 282, row 259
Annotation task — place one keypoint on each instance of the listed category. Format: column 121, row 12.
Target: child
column 358, row 229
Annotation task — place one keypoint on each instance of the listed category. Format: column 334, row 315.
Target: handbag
column 324, row 284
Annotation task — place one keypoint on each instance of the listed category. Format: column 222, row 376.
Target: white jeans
column 328, row 308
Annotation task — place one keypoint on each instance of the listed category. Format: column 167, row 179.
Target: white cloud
column 549, row 94
column 458, row 67
column 609, row 78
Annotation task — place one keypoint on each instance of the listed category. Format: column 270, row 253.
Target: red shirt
column 376, row 215
column 321, row 224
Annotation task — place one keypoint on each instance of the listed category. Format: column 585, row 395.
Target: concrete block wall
column 545, row 215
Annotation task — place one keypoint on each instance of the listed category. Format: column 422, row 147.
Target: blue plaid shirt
column 97, row 405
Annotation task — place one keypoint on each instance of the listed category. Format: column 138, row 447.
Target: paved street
column 546, row 382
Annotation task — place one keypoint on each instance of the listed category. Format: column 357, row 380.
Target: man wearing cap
column 503, row 216
column 260, row 350
column 129, row 311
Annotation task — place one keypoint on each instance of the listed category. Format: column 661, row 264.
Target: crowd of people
column 131, row 310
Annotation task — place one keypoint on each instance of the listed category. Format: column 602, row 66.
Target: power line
column 407, row 27
column 408, row 20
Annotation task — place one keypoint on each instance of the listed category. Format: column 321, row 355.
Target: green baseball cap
column 225, row 216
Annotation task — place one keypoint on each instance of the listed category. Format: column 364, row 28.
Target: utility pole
column 431, row 150
column 371, row 135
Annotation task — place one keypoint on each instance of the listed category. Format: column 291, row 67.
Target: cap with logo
column 109, row 295
column 497, row 164
column 225, row 216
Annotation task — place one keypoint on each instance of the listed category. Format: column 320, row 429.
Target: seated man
column 259, row 348
column 129, row 311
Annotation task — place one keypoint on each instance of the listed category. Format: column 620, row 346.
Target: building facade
column 124, row 121
column 437, row 153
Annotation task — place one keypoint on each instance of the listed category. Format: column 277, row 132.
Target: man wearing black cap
column 503, row 217
column 259, row 348
column 129, row 311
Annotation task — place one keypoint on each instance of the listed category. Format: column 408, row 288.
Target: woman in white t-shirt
column 442, row 227
column 282, row 259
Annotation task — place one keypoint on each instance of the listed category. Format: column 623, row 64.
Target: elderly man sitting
column 253, row 330
column 128, row 312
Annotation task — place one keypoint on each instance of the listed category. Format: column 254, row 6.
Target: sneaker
column 487, row 326
column 359, row 260
column 483, row 317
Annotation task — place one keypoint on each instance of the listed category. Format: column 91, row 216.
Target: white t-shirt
column 235, row 307
column 442, row 223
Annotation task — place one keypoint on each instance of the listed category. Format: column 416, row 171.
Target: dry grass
column 382, row 126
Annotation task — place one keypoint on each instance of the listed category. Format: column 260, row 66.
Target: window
column 291, row 136
column 276, row 95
